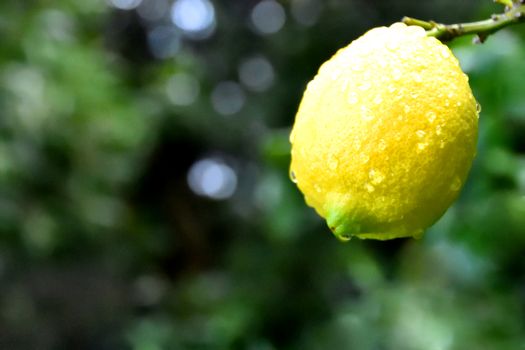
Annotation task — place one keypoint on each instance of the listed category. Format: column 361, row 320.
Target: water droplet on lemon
column 365, row 86
column 352, row 98
column 431, row 116
column 376, row 177
column 381, row 145
column 421, row 146
column 293, row 177
column 456, row 184
column 333, row 163
column 369, row 187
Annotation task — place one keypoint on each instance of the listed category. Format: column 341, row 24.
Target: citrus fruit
column 385, row 135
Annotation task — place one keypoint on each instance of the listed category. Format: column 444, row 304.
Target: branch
column 515, row 13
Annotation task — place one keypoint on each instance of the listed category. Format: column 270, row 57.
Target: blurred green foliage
column 104, row 243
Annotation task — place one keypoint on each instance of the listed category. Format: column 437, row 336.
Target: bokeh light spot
column 268, row 17
column 228, row 98
column 164, row 42
column 212, row 178
column 153, row 10
column 195, row 17
column 182, row 89
column 256, row 73
column 149, row 290
column 125, row 4
column 306, row 12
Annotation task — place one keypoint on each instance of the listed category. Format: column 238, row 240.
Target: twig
column 515, row 13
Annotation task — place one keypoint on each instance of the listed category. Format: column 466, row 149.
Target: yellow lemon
column 385, row 135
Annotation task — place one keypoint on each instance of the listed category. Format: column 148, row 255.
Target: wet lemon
column 385, row 135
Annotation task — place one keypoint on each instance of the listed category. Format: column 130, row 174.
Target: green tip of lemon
column 385, row 135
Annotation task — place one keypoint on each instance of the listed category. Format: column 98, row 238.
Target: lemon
column 385, row 135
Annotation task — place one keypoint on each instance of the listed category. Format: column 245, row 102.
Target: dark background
column 144, row 193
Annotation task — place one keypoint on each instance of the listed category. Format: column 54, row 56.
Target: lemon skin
column 385, row 135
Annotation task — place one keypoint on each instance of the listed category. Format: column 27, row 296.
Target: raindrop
column 365, row 86
column 397, row 74
column 292, row 136
column 431, row 116
column 478, row 107
column 382, row 145
column 366, row 116
column 335, row 74
column 293, row 177
column 333, row 163
column 421, row 146
column 438, row 130
column 420, row 133
column 407, row 108
column 369, row 187
column 345, row 237
column 392, row 45
column 376, row 176
column 356, row 67
column 344, row 85
column 404, row 54
column 364, row 158
column 456, row 184
column 352, row 98
column 317, row 188
column 312, row 85
column 378, row 100
column 445, row 52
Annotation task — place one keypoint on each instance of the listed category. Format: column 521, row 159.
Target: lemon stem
column 482, row 29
